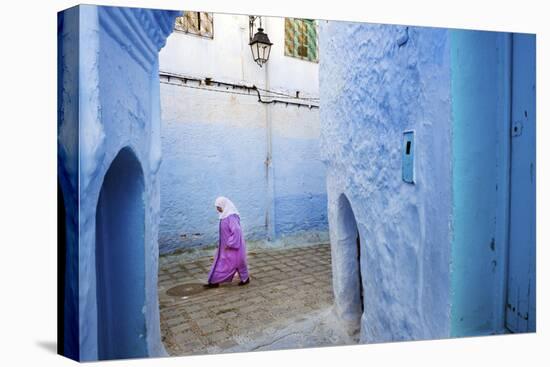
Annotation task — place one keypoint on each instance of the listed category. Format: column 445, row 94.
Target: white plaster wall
column 228, row 56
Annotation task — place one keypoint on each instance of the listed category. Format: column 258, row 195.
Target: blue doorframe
column 521, row 295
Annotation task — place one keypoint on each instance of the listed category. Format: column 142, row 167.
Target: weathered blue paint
column 521, row 295
column 300, row 185
column 435, row 253
column 371, row 93
column 204, row 158
column 201, row 162
column 101, row 49
column 480, row 176
column 305, row 212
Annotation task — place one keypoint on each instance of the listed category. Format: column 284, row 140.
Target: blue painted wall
column 434, row 253
column 480, row 90
column 203, row 161
column 300, row 199
column 101, row 49
column 216, row 144
column 521, row 296
column 392, row 80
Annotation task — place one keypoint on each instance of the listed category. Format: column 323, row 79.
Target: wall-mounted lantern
column 260, row 43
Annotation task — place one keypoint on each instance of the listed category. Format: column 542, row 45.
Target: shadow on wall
column 120, row 265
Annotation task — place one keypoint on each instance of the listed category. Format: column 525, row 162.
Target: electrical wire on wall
column 264, row 96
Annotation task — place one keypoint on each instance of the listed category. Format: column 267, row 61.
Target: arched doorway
column 349, row 287
column 120, row 262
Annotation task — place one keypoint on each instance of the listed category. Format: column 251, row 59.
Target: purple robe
column 231, row 254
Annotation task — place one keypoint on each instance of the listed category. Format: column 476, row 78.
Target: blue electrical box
column 408, row 156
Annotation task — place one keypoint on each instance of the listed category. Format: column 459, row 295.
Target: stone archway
column 120, row 262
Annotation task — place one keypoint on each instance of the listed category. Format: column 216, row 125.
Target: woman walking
column 231, row 254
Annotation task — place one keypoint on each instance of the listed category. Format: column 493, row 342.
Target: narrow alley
column 287, row 304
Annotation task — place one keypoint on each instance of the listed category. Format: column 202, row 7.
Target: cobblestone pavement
column 287, row 287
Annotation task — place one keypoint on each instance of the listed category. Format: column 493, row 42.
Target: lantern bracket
column 251, row 22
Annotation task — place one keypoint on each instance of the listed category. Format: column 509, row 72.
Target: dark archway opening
column 61, row 268
column 120, row 260
column 349, row 243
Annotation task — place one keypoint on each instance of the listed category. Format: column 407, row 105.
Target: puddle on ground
column 184, row 290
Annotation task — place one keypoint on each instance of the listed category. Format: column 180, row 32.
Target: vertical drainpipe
column 270, row 207
column 244, row 36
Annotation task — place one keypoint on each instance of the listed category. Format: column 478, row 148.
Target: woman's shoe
column 245, row 282
column 211, row 285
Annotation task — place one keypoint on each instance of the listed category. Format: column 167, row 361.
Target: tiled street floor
column 287, row 286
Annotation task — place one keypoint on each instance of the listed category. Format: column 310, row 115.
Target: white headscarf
column 227, row 206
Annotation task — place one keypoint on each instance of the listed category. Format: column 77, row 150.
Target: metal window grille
column 196, row 23
column 301, row 39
